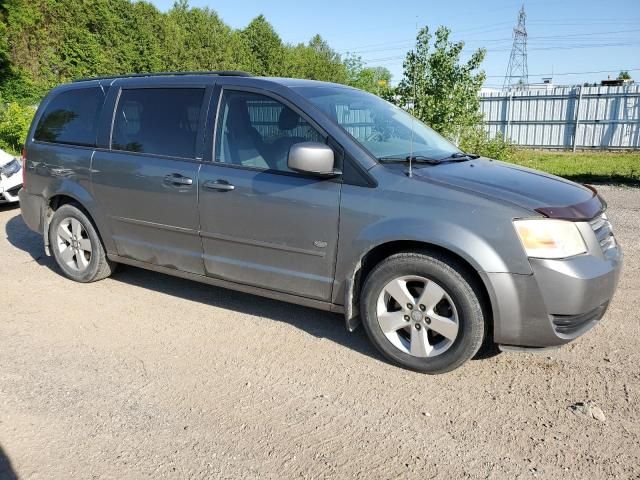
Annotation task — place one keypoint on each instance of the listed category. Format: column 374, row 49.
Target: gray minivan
column 321, row 195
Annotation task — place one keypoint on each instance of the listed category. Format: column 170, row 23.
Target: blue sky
column 565, row 36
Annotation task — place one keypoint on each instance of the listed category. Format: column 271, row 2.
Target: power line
column 576, row 46
column 490, row 27
column 539, row 43
column 542, row 48
column 411, row 41
column 577, row 21
column 573, row 73
column 562, row 74
column 532, row 40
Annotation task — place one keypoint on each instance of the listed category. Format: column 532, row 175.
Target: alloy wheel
column 417, row 316
column 74, row 245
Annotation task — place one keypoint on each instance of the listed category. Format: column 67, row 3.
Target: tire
column 76, row 246
column 445, row 325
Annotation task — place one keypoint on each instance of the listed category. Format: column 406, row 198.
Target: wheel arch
column 83, row 200
column 384, row 250
column 60, row 199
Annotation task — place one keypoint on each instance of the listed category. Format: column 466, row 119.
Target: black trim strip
column 218, row 236
column 258, row 243
column 161, row 226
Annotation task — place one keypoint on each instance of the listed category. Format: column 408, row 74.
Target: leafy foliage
column 476, row 140
column 372, row 79
column 14, row 124
column 315, row 60
column 266, row 46
column 47, row 42
column 624, row 75
column 437, row 87
column 442, row 91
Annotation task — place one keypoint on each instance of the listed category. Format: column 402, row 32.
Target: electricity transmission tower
column 517, row 71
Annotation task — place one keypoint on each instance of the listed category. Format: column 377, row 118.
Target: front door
column 147, row 182
column 261, row 223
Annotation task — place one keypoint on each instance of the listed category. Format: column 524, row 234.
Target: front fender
column 478, row 251
column 486, row 250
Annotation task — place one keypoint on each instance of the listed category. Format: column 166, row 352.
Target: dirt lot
column 148, row 376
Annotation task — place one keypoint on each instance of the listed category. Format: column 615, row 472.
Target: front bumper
column 8, row 190
column 560, row 301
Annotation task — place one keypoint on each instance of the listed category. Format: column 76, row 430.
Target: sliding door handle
column 177, row 179
column 219, row 185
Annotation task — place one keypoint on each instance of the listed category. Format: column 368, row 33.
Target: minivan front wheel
column 423, row 311
column 76, row 246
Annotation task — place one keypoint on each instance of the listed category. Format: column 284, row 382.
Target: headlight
column 11, row 168
column 547, row 238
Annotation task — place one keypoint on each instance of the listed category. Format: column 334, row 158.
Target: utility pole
column 518, row 72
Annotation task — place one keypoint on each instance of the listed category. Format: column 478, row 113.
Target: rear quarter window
column 71, row 117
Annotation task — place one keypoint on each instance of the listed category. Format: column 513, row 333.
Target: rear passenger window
column 162, row 121
column 72, row 117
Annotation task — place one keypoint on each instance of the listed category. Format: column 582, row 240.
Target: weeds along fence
column 606, row 118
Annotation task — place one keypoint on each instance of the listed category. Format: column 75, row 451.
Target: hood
column 9, row 166
column 5, row 158
column 530, row 189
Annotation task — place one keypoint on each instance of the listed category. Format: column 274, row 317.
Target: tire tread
column 464, row 280
column 104, row 267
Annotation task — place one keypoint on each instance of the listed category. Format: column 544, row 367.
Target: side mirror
column 313, row 158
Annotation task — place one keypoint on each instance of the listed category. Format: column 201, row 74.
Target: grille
column 569, row 324
column 604, row 233
column 14, row 191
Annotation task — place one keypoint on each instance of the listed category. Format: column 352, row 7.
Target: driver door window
column 257, row 131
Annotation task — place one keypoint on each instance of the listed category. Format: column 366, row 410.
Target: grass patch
column 585, row 167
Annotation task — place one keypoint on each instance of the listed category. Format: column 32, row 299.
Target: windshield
column 380, row 127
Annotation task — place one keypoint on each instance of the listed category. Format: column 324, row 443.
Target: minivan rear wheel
column 423, row 311
column 76, row 246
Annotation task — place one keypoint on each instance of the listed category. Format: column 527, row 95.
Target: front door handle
column 220, row 185
column 178, row 179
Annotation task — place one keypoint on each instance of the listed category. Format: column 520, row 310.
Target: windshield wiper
column 412, row 158
column 456, row 157
column 460, row 157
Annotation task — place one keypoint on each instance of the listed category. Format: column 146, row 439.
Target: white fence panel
column 566, row 117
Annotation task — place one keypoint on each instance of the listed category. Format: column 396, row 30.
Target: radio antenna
column 413, row 106
column 413, row 111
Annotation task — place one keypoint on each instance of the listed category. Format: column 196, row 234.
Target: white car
column 10, row 178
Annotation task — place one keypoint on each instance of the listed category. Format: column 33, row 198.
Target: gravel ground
column 148, row 376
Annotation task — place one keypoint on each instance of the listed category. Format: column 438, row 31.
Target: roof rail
column 222, row 73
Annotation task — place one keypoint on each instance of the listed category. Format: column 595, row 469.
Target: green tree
column 438, row 88
column 372, row 79
column 47, row 42
column 23, row 37
column 5, row 63
column 316, row 61
column 14, row 125
column 266, row 46
column 624, row 75
column 200, row 40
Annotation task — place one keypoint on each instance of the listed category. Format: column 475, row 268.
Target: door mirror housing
column 313, row 158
